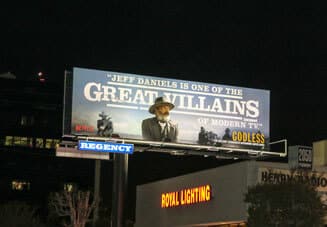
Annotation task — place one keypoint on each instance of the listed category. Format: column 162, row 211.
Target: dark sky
column 280, row 47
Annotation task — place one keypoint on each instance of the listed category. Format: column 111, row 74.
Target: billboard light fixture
column 179, row 149
column 213, row 149
column 177, row 153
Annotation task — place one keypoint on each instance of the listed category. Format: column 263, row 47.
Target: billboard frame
column 189, row 149
column 165, row 147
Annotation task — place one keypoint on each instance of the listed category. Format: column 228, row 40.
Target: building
column 31, row 127
column 215, row 197
column 31, row 121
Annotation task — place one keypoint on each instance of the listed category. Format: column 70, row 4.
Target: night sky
column 279, row 47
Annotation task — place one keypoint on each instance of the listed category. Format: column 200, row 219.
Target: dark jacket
column 151, row 130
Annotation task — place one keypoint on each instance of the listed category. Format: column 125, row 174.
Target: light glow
column 186, row 196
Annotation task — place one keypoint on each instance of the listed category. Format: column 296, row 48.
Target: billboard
column 148, row 108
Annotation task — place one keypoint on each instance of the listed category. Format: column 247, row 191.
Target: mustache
column 163, row 118
column 163, row 113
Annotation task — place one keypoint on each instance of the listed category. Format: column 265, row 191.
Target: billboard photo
column 148, row 108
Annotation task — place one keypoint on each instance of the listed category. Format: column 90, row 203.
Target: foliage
column 285, row 204
column 19, row 214
column 76, row 205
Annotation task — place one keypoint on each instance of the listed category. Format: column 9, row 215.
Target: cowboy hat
column 159, row 102
column 103, row 114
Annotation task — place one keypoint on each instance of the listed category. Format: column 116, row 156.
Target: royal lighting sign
column 105, row 147
column 186, row 196
column 150, row 108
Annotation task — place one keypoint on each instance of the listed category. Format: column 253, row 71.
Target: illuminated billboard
column 148, row 108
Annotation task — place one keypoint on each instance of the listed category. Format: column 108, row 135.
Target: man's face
column 162, row 112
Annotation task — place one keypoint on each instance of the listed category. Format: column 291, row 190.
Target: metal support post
column 97, row 177
column 120, row 174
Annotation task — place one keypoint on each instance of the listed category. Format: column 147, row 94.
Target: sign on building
column 300, row 157
column 108, row 147
column 317, row 180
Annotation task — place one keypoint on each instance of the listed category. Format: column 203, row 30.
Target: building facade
column 215, row 197
column 31, row 127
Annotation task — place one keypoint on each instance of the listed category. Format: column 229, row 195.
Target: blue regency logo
column 110, row 147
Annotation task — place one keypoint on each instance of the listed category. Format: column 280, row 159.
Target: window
column 28, row 142
column 69, row 187
column 18, row 185
column 56, row 143
column 27, row 120
column 9, row 140
column 23, row 120
column 16, row 141
column 51, row 143
column 22, row 141
column 39, row 143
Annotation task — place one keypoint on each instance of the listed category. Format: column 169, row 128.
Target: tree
column 290, row 203
column 77, row 205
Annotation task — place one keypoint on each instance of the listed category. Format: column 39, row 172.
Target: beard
column 163, row 117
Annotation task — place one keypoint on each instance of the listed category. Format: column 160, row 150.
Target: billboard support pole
column 97, row 178
column 120, row 174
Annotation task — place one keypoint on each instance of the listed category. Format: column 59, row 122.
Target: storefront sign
column 300, row 157
column 305, row 157
column 186, row 196
column 105, row 147
column 316, row 179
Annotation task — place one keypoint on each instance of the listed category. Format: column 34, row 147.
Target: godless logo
column 186, row 196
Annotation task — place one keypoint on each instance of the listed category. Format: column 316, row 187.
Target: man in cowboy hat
column 104, row 125
column 160, row 127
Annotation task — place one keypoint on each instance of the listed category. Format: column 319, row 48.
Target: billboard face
column 160, row 109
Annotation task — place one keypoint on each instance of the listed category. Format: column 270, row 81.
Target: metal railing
column 231, row 151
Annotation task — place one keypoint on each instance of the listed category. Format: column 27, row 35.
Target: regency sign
column 105, row 147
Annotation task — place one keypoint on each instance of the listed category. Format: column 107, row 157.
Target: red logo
column 84, row 128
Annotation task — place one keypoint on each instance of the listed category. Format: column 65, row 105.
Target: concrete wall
column 319, row 153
